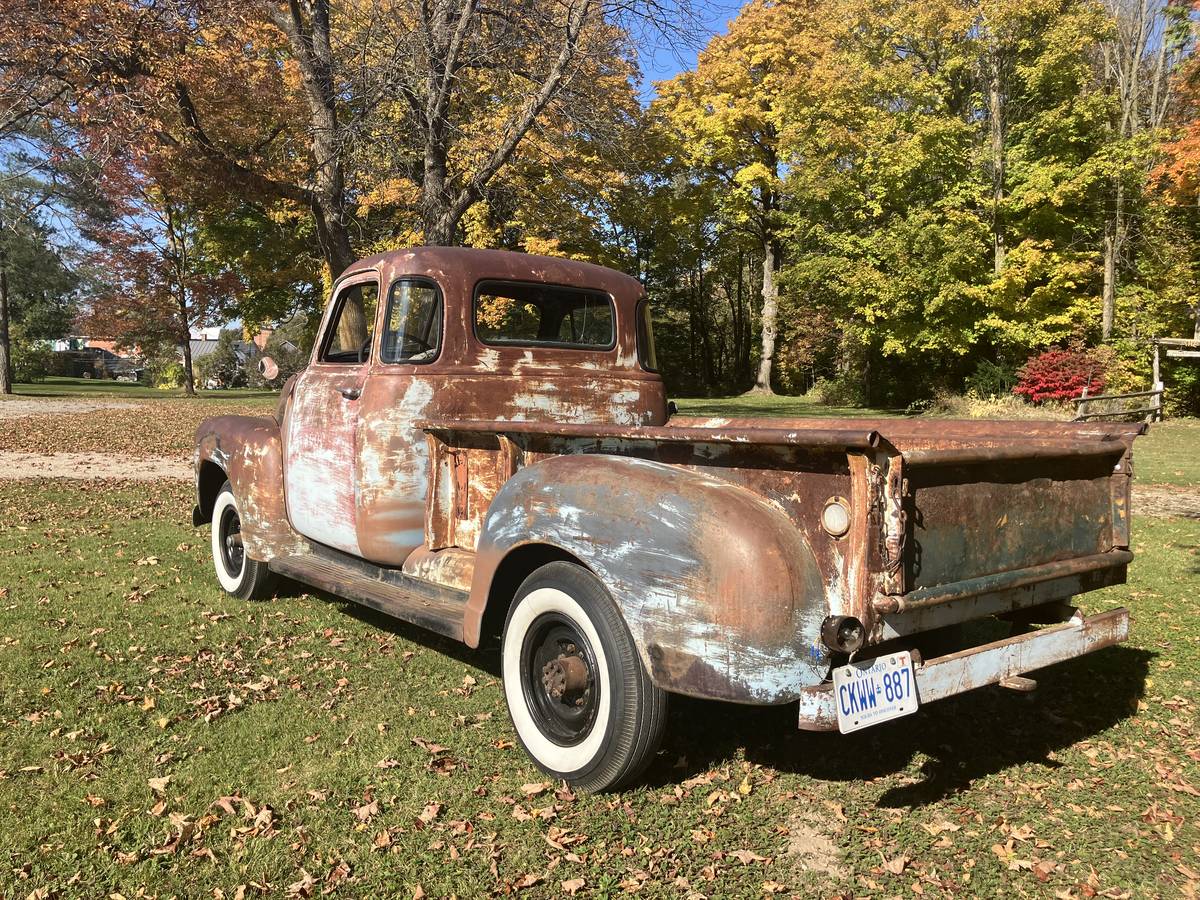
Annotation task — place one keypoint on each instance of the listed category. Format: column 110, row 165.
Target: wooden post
column 1157, row 384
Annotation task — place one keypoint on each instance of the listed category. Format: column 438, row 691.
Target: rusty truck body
column 482, row 445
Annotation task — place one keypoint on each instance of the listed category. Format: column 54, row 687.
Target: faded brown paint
column 249, row 452
column 706, row 531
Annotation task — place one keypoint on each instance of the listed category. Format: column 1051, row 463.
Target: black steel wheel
column 236, row 572
column 558, row 678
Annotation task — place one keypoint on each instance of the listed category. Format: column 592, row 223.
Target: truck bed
column 951, row 519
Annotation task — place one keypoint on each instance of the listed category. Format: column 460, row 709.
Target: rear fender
column 719, row 589
column 249, row 451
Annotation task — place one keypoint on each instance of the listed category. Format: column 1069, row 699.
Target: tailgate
column 961, row 522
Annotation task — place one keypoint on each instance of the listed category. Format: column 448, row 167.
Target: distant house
column 79, row 342
column 206, row 340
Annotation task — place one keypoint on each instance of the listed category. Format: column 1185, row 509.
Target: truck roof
column 470, row 265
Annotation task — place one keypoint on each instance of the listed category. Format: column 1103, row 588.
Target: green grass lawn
column 1169, row 454
column 750, row 405
column 158, row 735
column 102, row 387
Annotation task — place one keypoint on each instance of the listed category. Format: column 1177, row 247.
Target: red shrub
column 1059, row 375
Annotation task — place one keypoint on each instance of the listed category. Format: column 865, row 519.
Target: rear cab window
column 645, row 337
column 540, row 315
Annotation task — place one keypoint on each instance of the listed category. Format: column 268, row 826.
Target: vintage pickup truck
column 482, row 445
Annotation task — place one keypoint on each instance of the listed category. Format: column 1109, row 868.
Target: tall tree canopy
column 884, row 196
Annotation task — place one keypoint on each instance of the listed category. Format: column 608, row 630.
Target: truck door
column 322, row 425
column 405, row 386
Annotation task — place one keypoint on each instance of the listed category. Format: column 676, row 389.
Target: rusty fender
column 718, row 587
column 249, row 452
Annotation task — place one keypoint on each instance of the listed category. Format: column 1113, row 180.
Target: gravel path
column 1166, row 500
column 16, row 464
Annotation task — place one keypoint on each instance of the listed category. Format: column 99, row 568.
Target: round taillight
column 835, row 517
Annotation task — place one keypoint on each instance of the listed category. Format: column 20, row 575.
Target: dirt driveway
column 21, row 464
column 17, row 464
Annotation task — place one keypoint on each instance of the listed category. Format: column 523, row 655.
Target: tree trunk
column 996, row 115
column 311, row 47
column 770, row 316
column 739, row 343
column 1112, row 249
column 439, row 229
column 5, row 354
column 189, row 373
column 334, row 238
column 706, row 353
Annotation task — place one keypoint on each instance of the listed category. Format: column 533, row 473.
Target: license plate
column 874, row 691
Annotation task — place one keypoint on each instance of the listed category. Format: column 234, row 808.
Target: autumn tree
column 311, row 104
column 732, row 115
column 36, row 71
column 1137, row 62
column 155, row 280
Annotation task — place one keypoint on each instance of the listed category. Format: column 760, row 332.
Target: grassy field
column 102, row 387
column 750, row 405
column 1169, row 454
column 158, row 736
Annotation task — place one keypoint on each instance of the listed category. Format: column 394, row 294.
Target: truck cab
column 481, row 445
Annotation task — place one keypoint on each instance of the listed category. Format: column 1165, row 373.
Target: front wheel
column 237, row 573
column 580, row 700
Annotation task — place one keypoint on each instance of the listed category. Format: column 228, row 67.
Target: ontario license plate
column 874, row 691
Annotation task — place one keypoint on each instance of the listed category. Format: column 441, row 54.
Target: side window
column 352, row 325
column 645, row 338
column 414, row 323
column 528, row 314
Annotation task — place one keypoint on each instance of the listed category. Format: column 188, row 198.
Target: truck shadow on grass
column 961, row 739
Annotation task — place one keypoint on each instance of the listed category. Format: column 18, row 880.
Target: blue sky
column 661, row 61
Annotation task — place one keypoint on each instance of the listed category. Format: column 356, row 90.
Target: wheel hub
column 566, row 674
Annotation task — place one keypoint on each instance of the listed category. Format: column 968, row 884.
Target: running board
column 389, row 591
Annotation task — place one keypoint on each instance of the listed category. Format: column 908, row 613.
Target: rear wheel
column 237, row 573
column 580, row 700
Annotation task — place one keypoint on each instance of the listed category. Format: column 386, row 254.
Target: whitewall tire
column 236, row 572
column 579, row 698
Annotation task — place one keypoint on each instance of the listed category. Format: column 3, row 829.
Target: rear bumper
column 987, row 664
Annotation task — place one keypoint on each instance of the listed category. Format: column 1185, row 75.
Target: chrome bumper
column 946, row 676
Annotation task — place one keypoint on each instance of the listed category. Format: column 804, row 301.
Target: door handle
column 350, row 393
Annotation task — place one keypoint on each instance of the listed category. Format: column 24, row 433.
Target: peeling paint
column 706, row 531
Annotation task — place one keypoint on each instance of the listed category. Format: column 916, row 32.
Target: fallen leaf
column 572, row 885
column 897, row 865
column 745, row 857
column 429, row 746
column 429, row 813
column 367, row 811
column 303, row 887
